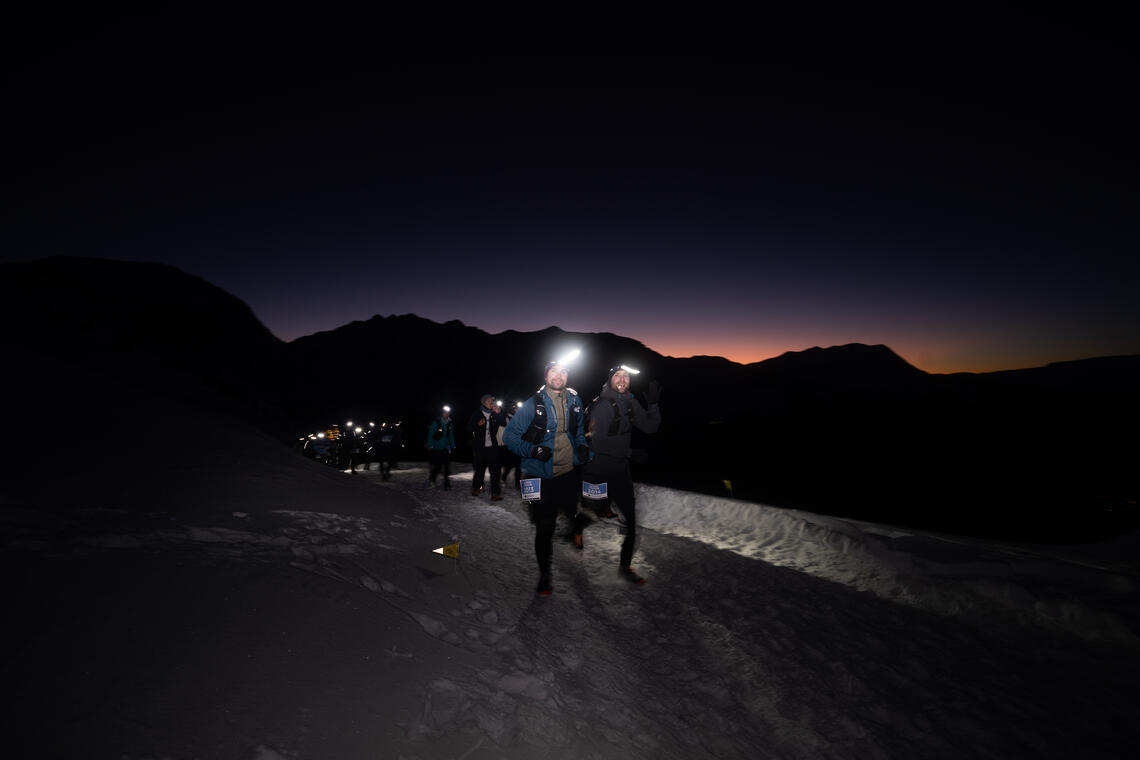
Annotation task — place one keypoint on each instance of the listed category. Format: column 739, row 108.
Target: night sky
column 962, row 189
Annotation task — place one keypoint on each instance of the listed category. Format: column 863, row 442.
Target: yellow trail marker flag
column 728, row 485
column 451, row 550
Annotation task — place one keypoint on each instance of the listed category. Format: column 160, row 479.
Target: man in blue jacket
column 548, row 433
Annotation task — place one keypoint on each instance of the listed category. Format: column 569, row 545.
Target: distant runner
column 440, row 444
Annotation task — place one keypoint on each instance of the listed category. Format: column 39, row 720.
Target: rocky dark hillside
column 850, row 430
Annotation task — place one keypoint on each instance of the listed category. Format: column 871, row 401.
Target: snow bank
column 1076, row 590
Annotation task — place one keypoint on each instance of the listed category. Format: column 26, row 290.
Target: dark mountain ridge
column 850, row 430
column 145, row 324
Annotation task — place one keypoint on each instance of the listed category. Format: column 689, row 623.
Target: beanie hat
column 562, row 362
column 621, row 368
column 483, row 399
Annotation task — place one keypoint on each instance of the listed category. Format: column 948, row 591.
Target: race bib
column 595, row 491
column 531, row 489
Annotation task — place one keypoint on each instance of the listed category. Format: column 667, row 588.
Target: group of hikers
column 346, row 448
column 569, row 454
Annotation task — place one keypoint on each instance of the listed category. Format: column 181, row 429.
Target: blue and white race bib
column 531, row 489
column 595, row 491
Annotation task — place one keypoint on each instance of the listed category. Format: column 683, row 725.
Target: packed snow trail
column 258, row 605
column 723, row 656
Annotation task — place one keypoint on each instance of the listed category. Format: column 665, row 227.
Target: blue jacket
column 520, row 423
column 446, row 430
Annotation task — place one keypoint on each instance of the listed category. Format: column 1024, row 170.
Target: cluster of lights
column 335, row 430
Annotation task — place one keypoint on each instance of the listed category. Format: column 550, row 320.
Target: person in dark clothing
column 353, row 448
column 390, row 440
column 548, row 434
column 613, row 415
column 440, row 444
column 508, row 458
column 484, row 430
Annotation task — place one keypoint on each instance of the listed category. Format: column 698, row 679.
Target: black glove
column 583, row 453
column 653, row 392
column 542, row 454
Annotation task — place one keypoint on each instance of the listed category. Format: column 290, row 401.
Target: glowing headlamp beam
column 563, row 361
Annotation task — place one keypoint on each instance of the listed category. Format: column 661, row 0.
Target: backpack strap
column 537, row 430
column 615, row 422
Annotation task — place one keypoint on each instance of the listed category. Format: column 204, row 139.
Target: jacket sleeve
column 643, row 420
column 513, row 435
column 498, row 423
column 580, row 433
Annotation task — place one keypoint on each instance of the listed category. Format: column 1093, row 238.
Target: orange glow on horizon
column 739, row 351
column 941, row 360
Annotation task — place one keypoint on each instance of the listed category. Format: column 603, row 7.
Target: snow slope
column 1088, row 591
column 237, row 601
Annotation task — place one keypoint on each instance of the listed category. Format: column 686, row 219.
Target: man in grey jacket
column 613, row 416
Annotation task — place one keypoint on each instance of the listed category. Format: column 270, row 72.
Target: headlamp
column 563, row 361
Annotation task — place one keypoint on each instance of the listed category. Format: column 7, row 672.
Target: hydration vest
column 615, row 423
column 537, row 430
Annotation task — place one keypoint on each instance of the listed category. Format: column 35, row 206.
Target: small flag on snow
column 451, row 550
column 728, row 485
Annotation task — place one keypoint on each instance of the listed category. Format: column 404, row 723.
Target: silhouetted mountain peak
column 853, row 363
